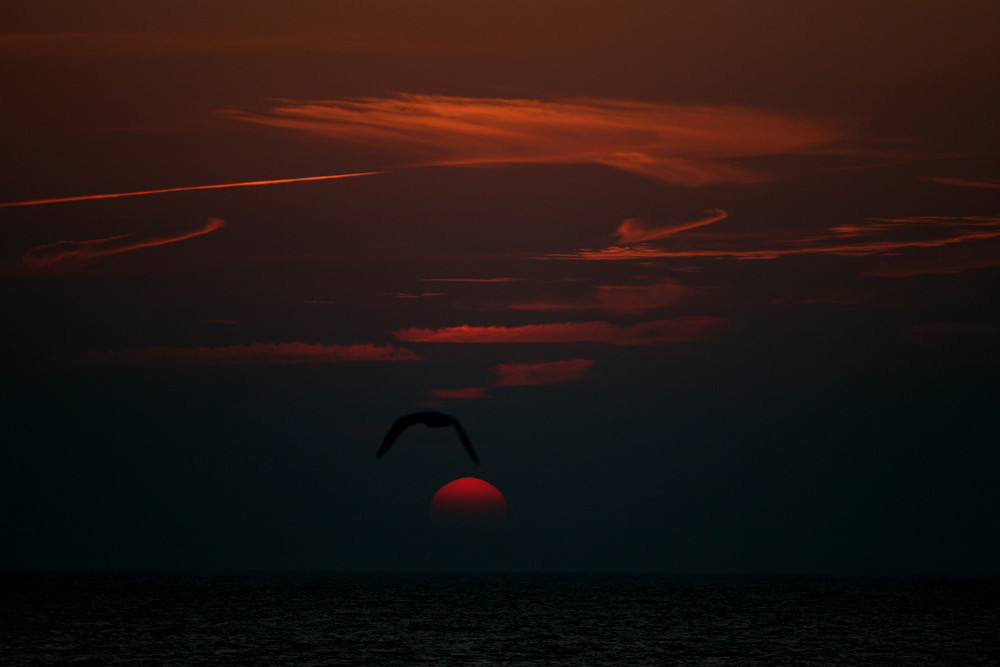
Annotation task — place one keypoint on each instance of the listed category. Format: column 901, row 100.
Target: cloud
column 963, row 183
column 624, row 299
column 541, row 373
column 876, row 236
column 635, row 230
column 260, row 353
column 79, row 252
column 675, row 330
column 680, row 144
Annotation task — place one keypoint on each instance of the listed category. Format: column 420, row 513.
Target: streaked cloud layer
column 690, row 145
column 674, row 330
column 874, row 236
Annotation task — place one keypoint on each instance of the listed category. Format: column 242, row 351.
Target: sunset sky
column 712, row 286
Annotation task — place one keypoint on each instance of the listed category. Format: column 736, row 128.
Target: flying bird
column 431, row 418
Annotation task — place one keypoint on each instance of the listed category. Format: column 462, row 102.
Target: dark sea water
column 509, row 619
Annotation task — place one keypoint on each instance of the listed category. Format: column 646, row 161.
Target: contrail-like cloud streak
column 190, row 188
column 77, row 252
column 634, row 230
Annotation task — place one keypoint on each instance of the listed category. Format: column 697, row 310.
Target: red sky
column 669, row 254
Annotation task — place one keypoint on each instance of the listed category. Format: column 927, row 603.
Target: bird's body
column 431, row 418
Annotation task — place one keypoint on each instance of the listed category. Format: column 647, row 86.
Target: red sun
column 468, row 501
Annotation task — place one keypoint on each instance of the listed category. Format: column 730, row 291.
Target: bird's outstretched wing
column 465, row 440
column 398, row 427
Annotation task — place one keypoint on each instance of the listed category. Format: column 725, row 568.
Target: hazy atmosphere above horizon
column 711, row 286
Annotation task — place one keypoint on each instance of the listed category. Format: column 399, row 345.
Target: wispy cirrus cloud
column 875, row 236
column 687, row 145
column 259, row 353
column 541, row 373
column 676, row 330
column 68, row 254
column 963, row 182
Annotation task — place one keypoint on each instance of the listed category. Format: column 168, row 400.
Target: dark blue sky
column 712, row 289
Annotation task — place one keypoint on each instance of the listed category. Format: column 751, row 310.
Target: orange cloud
column 260, row 353
column 635, row 230
column 675, row 330
column 680, row 144
column 548, row 372
column 78, row 252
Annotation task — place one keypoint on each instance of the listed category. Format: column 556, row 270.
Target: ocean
column 496, row 619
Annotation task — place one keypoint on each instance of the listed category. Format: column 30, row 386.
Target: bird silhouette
column 431, row 418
